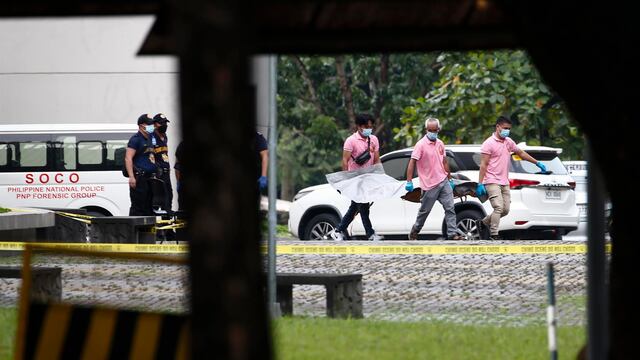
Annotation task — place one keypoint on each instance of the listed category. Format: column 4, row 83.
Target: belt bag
column 365, row 156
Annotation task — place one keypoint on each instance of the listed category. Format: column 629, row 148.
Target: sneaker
column 336, row 235
column 375, row 237
column 413, row 235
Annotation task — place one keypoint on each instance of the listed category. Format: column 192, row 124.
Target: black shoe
column 495, row 237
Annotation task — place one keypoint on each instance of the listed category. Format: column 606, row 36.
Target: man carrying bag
column 360, row 150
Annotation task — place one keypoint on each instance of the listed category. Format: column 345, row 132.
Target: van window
column 66, row 156
column 115, row 154
column 63, row 152
column 4, row 154
column 89, row 152
column 33, row 154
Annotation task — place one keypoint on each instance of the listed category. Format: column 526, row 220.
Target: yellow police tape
column 165, row 224
column 330, row 249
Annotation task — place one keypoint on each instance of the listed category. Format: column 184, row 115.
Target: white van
column 65, row 166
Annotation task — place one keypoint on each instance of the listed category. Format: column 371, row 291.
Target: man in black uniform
column 140, row 165
column 262, row 158
column 179, row 173
column 162, row 158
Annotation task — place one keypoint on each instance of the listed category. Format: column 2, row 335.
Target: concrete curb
column 27, row 218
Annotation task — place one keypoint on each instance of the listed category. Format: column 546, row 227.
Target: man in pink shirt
column 435, row 180
column 494, row 173
column 360, row 150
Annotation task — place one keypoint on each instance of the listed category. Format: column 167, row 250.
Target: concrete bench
column 46, row 282
column 344, row 292
column 123, row 230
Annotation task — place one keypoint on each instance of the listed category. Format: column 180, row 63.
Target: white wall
column 69, row 70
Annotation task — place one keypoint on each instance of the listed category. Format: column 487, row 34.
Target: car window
column 453, row 165
column 548, row 158
column 396, row 167
column 467, row 161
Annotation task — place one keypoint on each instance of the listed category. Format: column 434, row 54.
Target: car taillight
column 519, row 184
column 572, row 185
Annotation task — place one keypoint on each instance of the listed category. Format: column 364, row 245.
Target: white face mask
column 367, row 132
column 149, row 128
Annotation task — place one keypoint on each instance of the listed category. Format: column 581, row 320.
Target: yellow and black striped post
column 65, row 331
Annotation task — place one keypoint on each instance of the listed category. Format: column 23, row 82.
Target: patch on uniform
column 165, row 158
column 152, row 158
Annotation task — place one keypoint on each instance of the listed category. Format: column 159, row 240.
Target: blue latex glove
column 541, row 166
column 453, row 186
column 262, row 182
column 409, row 186
column 480, row 190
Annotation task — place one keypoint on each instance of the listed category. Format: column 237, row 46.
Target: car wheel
column 466, row 221
column 319, row 227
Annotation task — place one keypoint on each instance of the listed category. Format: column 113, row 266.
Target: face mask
column 149, row 128
column 504, row 133
column 367, row 132
column 162, row 129
column 432, row 135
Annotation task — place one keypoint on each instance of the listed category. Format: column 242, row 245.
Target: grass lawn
column 322, row 338
column 8, row 322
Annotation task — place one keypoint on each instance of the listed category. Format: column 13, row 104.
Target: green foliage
column 4, row 210
column 308, row 155
column 321, row 338
column 466, row 91
column 474, row 88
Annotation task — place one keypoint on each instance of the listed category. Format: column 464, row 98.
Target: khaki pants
column 500, row 199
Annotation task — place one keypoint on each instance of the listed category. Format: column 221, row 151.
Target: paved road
column 484, row 289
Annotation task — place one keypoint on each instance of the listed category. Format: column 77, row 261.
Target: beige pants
column 500, row 199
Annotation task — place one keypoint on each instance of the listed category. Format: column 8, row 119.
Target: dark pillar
column 584, row 51
column 229, row 319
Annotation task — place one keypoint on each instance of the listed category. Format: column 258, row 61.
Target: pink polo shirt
column 499, row 151
column 429, row 156
column 357, row 144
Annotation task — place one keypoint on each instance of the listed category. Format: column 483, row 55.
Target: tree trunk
column 310, row 85
column 380, row 130
column 346, row 91
column 288, row 187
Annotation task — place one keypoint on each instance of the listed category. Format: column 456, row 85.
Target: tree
column 474, row 88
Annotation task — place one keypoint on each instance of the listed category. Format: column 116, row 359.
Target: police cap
column 160, row 118
column 145, row 119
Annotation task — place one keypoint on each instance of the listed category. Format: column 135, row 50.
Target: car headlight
column 300, row 195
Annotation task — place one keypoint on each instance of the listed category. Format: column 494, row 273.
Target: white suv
column 543, row 206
